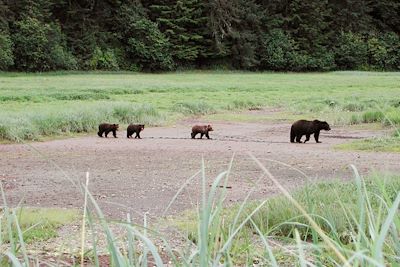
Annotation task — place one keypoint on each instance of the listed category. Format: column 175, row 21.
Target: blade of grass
column 83, row 232
column 266, row 245
column 301, row 256
column 378, row 246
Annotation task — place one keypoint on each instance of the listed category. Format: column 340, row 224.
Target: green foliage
column 384, row 51
column 181, row 22
column 159, row 35
column 277, row 51
column 6, row 55
column 351, row 51
column 103, row 60
column 39, row 46
column 148, row 47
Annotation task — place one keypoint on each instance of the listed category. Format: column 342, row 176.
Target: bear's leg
column 208, row 137
column 138, row 135
column 127, row 135
column 106, row 133
column 292, row 135
column 298, row 137
column 307, row 138
column 316, row 136
column 115, row 133
column 201, row 136
column 100, row 133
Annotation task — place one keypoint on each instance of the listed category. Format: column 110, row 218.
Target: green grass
column 333, row 205
column 388, row 144
column 39, row 224
column 34, row 106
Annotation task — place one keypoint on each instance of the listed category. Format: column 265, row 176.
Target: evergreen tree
column 181, row 22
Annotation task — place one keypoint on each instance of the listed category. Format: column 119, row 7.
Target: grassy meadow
column 331, row 223
column 36, row 106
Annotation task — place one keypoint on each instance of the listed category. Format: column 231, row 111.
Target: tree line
column 160, row 35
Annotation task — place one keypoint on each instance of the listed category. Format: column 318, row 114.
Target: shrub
column 40, row 46
column 103, row 60
column 277, row 51
column 384, row 51
column 351, row 51
column 6, row 56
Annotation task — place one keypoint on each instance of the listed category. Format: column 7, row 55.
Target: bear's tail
column 292, row 135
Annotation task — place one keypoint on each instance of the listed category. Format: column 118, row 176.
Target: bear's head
column 209, row 128
column 323, row 125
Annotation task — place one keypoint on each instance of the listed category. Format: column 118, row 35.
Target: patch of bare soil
column 137, row 176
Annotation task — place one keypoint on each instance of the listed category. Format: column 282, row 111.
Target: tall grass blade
column 9, row 220
column 378, row 246
column 131, row 243
column 83, row 232
column 301, row 256
column 13, row 259
column 21, row 238
column 271, row 255
column 179, row 191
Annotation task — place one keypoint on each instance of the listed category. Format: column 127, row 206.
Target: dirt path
column 138, row 176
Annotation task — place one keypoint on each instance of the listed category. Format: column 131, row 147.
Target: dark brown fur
column 134, row 128
column 202, row 130
column 106, row 128
column 303, row 127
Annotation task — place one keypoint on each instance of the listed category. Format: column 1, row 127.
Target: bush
column 103, row 60
column 6, row 56
column 277, row 51
column 384, row 51
column 40, row 46
column 351, row 51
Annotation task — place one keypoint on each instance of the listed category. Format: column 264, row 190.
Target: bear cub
column 202, row 130
column 134, row 128
column 106, row 128
column 304, row 127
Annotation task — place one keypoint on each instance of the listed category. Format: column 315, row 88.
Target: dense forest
column 159, row 35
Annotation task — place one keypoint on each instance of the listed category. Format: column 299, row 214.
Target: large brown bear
column 202, row 130
column 134, row 128
column 106, row 128
column 303, row 127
